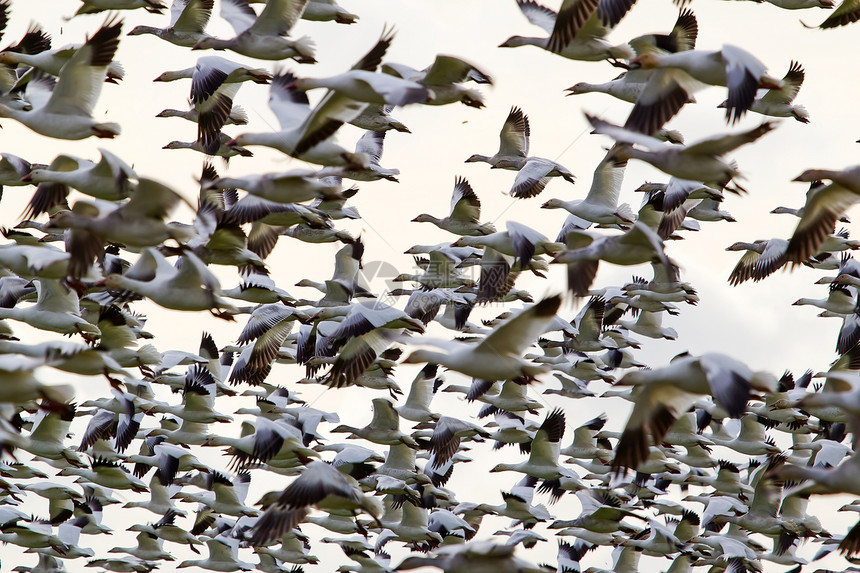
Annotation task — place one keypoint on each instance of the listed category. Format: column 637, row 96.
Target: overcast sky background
column 754, row 322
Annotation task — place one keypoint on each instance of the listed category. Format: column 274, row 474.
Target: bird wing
column 545, row 444
column 151, row 199
column 450, row 70
column 571, row 18
column 190, row 15
column 722, row 144
column 847, row 13
column 278, row 17
column 326, row 118
column 823, row 207
column 290, row 106
column 537, row 14
column 514, row 137
column 791, row 81
column 515, row 335
column 729, row 381
column 624, row 135
column 371, row 144
column 465, row 205
column 82, row 77
column 606, row 185
column 665, row 93
column 532, row 178
column 238, row 14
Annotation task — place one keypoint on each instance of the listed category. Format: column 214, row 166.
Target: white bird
column 678, row 74
column 513, row 139
column 189, row 287
column 444, row 78
column 464, row 218
column 319, row 485
column 778, row 102
column 601, row 204
column 499, row 355
column 585, row 251
column 67, row 112
column 664, row 394
column 188, row 19
column 700, row 161
column 263, row 37
column 572, row 33
column 824, row 205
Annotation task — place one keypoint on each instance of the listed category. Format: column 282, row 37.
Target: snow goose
column 136, row 223
column 190, row 287
column 499, row 355
column 383, row 427
column 263, row 37
column 108, row 179
column 630, row 85
column 447, row 434
column 318, row 485
column 543, row 456
column 107, row 474
column 148, row 548
column 760, row 259
column 269, row 325
column 444, row 78
column 778, row 102
column 369, row 145
column 67, row 113
column 417, row 405
column 57, row 309
column 823, row 206
column 34, row 51
column 166, row 529
column 235, row 71
column 294, row 548
column 221, row 494
column 237, row 115
column 601, row 203
column 626, row 87
column 370, row 87
column 440, row 271
column 188, row 19
column 700, row 161
column 840, row 300
column 377, row 117
column 584, row 253
column 513, row 139
column 213, row 87
column 681, row 73
column 274, row 443
column 412, row 528
column 226, row 149
column 14, row 169
column 465, row 213
column 223, row 556
column 534, row 172
column 259, row 288
column 575, row 32
column 665, row 393
column 517, row 241
column 306, row 133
